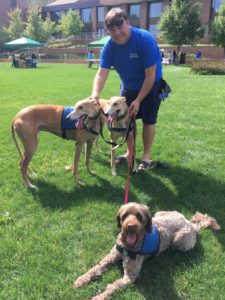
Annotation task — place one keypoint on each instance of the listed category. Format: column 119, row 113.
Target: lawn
column 51, row 236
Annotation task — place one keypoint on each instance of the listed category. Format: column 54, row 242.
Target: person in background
column 174, row 57
column 14, row 61
column 33, row 60
column 182, row 58
column 135, row 55
column 198, row 54
column 90, row 58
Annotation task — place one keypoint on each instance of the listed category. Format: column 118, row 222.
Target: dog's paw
column 68, row 168
column 80, row 183
column 92, row 172
column 32, row 187
column 78, row 283
column 99, row 297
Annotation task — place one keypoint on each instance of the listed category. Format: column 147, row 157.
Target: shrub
column 209, row 67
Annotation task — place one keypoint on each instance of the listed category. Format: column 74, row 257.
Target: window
column 86, row 15
column 55, row 16
column 217, row 4
column 153, row 29
column 155, row 9
column 135, row 11
column 13, row 4
column 100, row 14
column 101, row 32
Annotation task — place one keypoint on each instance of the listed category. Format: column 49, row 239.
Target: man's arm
column 99, row 82
column 145, row 89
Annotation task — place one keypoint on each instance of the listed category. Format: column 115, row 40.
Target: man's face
column 120, row 32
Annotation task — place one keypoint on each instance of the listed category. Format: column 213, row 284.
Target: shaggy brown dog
column 142, row 236
column 30, row 120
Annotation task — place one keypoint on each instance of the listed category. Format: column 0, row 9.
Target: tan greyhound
column 60, row 121
column 117, row 115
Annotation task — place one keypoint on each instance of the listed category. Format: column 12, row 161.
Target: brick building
column 143, row 14
column 7, row 5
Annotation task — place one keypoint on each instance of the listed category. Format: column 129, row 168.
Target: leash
column 127, row 130
column 130, row 161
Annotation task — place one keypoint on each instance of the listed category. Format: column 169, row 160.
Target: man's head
column 118, row 26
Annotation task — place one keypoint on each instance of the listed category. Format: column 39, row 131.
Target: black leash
column 128, row 129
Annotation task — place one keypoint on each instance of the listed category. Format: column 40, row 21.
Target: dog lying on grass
column 117, row 115
column 80, row 123
column 142, row 236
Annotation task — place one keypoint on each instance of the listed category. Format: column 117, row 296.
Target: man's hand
column 134, row 108
column 94, row 97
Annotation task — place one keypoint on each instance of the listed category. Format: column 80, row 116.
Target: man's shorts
column 149, row 107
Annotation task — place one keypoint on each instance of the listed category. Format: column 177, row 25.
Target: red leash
column 130, row 162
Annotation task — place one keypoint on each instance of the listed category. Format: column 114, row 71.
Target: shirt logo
column 133, row 55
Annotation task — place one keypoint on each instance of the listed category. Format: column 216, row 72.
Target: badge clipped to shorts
column 164, row 90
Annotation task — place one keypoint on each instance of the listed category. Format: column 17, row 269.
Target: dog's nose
column 106, row 115
column 131, row 227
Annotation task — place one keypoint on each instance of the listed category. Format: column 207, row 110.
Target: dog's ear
column 148, row 226
column 124, row 98
column 118, row 221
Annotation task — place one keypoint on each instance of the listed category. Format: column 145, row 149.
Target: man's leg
column 148, row 138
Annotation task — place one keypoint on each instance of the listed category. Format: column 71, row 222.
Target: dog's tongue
column 110, row 119
column 79, row 123
column 131, row 238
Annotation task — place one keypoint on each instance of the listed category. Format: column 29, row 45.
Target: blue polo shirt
column 130, row 60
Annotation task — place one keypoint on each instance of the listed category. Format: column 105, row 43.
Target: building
column 7, row 5
column 143, row 14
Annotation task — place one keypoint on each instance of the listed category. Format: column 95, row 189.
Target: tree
column 49, row 29
column 34, row 26
column 180, row 24
column 4, row 37
column 16, row 25
column 218, row 29
column 70, row 24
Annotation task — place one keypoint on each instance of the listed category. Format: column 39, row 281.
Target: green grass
column 50, row 236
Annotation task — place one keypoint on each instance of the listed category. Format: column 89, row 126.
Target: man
column 135, row 55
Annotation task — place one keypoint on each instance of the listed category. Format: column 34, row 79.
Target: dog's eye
column 124, row 217
column 139, row 217
column 80, row 107
column 115, row 104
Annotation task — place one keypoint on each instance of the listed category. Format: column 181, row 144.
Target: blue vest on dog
column 151, row 242
column 67, row 123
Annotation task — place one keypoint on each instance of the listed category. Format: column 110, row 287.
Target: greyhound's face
column 84, row 110
column 117, row 107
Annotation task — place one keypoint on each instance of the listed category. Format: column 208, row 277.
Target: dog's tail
column 15, row 140
column 204, row 221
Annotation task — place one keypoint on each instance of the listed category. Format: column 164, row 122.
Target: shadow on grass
column 188, row 191
column 50, row 196
column 158, row 274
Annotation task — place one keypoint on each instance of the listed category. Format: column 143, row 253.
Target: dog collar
column 150, row 245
